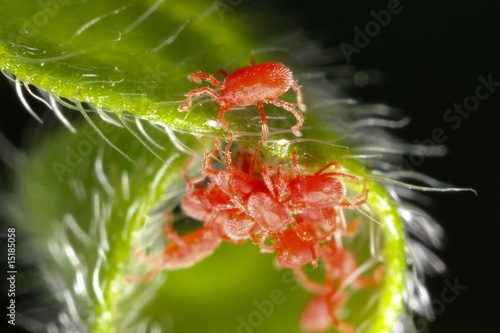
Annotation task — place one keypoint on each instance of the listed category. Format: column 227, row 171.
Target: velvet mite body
column 251, row 85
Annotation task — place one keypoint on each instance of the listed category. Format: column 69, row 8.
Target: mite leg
column 197, row 92
column 207, row 171
column 222, row 111
column 357, row 200
column 307, row 283
column 197, row 76
column 296, row 87
column 326, row 167
column 367, row 282
column 292, row 109
column 145, row 278
column 227, row 152
column 265, row 128
column 221, row 72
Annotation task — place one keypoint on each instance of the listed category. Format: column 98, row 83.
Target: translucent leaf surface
column 133, row 56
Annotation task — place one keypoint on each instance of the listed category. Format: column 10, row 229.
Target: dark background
column 431, row 55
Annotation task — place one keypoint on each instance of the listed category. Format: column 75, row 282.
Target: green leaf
column 88, row 207
column 132, row 56
column 89, row 198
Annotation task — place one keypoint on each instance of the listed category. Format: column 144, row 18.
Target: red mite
column 255, row 84
column 283, row 211
column 182, row 251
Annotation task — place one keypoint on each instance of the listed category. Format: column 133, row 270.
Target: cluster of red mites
column 251, row 200
column 297, row 216
column 300, row 217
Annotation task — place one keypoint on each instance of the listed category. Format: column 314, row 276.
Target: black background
column 431, row 55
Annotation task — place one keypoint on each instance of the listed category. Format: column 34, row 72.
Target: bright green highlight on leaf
column 89, row 208
column 121, row 55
